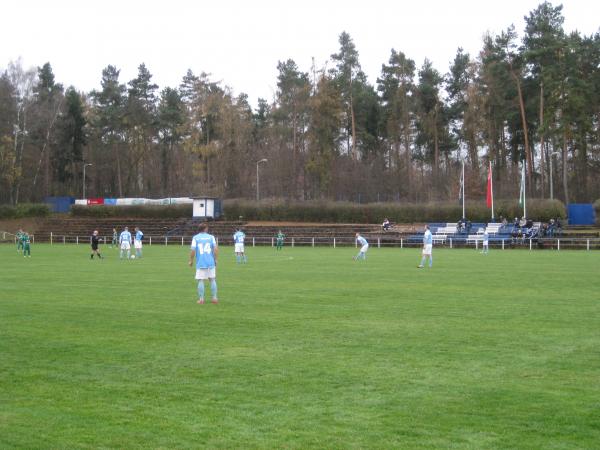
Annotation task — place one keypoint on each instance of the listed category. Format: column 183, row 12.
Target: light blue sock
column 245, row 259
column 422, row 261
column 200, row 289
column 430, row 260
column 213, row 288
column 128, row 254
column 121, row 254
column 237, row 258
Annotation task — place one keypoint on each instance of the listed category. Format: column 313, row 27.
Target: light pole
column 551, row 172
column 84, row 166
column 258, row 178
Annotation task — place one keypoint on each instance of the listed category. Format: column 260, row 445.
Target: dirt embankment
column 29, row 224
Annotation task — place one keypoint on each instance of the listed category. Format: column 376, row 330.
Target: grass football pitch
column 307, row 349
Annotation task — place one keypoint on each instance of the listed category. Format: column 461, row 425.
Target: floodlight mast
column 84, row 166
column 264, row 160
column 551, row 172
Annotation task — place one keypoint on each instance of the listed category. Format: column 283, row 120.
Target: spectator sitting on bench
column 386, row 225
column 516, row 233
column 545, row 230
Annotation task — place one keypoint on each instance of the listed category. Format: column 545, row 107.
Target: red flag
column 489, row 200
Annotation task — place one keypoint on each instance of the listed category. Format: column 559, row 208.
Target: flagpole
column 463, row 189
column 524, row 192
column 492, row 189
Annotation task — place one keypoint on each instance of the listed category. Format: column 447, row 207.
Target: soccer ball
column 132, row 256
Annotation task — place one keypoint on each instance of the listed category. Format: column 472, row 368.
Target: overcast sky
column 240, row 42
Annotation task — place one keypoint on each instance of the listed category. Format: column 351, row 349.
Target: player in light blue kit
column 204, row 249
column 486, row 242
column 364, row 246
column 427, row 248
column 125, row 243
column 238, row 242
column 137, row 242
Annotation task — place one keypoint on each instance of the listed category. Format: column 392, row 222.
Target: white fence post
column 333, row 242
column 502, row 244
column 272, row 242
column 292, row 242
column 33, row 238
column 378, row 243
column 558, row 244
column 588, row 245
column 150, row 242
column 253, row 243
column 313, row 241
column 166, row 240
column 530, row 246
column 51, row 238
column 182, row 241
column 64, row 240
column 401, row 243
column 476, row 244
column 77, row 240
column 450, row 242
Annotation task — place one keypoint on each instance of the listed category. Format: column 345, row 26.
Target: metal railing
column 343, row 241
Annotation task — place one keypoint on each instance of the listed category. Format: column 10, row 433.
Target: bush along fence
column 338, row 212
column 24, row 210
column 133, row 211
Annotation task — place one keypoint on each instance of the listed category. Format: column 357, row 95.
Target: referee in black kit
column 95, row 240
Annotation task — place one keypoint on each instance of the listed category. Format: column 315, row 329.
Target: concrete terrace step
column 82, row 227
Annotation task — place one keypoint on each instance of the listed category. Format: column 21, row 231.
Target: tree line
column 328, row 133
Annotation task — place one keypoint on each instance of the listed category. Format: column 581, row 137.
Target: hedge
column 140, row 211
column 24, row 210
column 337, row 212
column 340, row 212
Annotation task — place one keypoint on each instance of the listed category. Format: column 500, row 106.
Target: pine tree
column 68, row 153
column 108, row 122
column 397, row 89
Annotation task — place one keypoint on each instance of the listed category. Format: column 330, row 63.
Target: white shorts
column 239, row 248
column 485, row 243
column 137, row 244
column 364, row 248
column 427, row 249
column 205, row 274
column 125, row 245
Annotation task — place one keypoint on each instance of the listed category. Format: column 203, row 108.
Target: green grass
column 307, row 349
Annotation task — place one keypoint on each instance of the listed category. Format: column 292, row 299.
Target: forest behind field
column 527, row 98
